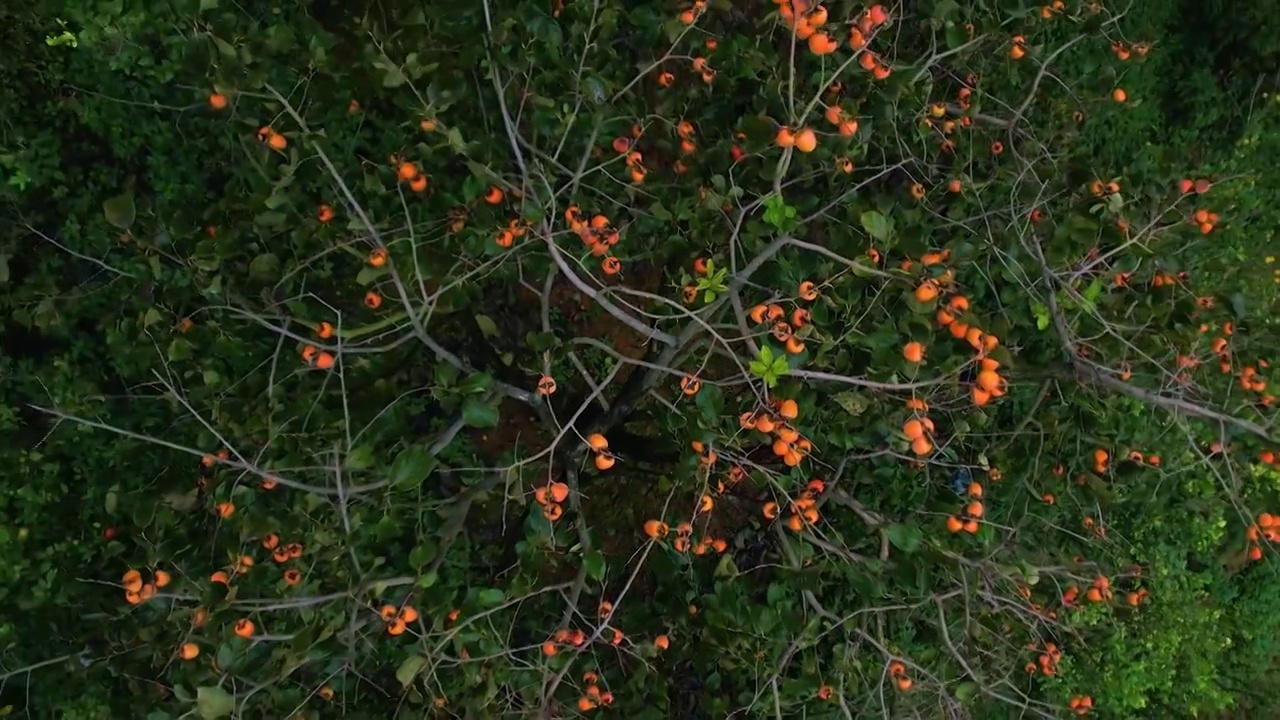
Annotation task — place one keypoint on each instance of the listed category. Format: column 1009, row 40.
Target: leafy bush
column 696, row 360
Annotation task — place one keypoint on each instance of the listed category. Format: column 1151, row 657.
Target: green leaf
column 411, row 467
column 594, row 564
column 1237, row 304
column 1094, row 290
column 540, row 341
column 454, row 136
column 111, row 502
column 394, row 77
column 367, row 275
column 487, row 326
column 905, row 537
column 710, row 402
column 208, row 5
column 409, row 669
column 479, row 414
column 491, row 597
column 877, row 226
column 360, row 458
column 476, row 383
column 120, row 210
column 852, row 402
column 265, row 267
column 945, row 9
column 726, row 568
column 966, row 691
column 4, row 269
column 225, row 48
column 420, row 555
column 271, row 219
column 178, row 350
column 214, row 702
column 595, row 89
column 225, row 657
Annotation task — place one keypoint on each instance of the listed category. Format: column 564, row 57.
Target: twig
column 73, row 253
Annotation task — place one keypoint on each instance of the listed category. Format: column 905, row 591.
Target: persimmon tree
column 698, row 359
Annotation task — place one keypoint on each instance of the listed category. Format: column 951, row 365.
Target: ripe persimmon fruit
column 913, row 429
column 546, row 385
column 655, row 529
column 690, row 385
column 806, row 140
column 789, row 409
column 132, row 580
column 913, row 352
column 927, row 291
column 821, row 43
column 217, row 101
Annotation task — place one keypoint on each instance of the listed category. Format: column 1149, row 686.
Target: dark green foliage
column 161, row 269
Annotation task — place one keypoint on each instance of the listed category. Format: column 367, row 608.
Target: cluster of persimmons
column 954, row 316
column 593, row 696
column 599, row 446
column 550, row 497
column 597, row 234
column 1047, row 659
column 808, row 20
column 971, row 514
column 776, row 423
column 683, row 540
column 397, row 618
column 788, row 330
column 137, row 591
column 802, row 510
column 1266, row 527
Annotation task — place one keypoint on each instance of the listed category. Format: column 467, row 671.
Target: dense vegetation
column 676, row 359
